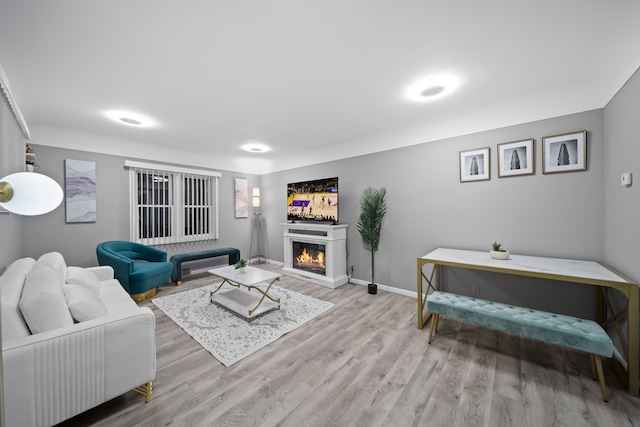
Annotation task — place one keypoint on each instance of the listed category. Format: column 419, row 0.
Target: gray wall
column 557, row 215
column 12, row 160
column 622, row 204
column 77, row 242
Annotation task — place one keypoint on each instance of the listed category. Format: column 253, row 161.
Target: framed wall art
column 474, row 165
column 241, row 198
column 80, row 190
column 564, row 153
column 516, row 158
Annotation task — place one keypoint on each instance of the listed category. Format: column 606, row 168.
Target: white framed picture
column 475, row 165
column 564, row 153
column 516, row 158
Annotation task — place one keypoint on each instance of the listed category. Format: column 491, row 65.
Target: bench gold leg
column 434, row 322
column 598, row 364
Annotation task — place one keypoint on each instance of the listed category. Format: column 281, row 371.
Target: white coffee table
column 242, row 300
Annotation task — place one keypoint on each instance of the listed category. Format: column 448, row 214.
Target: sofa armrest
column 55, row 375
column 103, row 272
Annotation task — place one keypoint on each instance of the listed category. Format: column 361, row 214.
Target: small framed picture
column 516, row 158
column 474, row 165
column 564, row 153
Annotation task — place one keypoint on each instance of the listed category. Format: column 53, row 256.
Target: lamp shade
column 256, row 196
column 29, row 193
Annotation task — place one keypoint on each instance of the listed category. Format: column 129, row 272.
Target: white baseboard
column 385, row 288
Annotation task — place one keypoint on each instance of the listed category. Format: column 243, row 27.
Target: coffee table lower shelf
column 242, row 302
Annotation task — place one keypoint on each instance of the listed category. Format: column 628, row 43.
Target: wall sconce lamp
column 29, row 193
column 256, row 197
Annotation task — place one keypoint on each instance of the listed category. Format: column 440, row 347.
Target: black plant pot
column 372, row 288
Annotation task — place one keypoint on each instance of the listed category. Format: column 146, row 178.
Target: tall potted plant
column 373, row 207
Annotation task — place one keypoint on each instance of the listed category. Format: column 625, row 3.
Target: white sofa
column 72, row 338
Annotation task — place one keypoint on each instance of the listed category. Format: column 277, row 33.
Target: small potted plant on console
column 498, row 253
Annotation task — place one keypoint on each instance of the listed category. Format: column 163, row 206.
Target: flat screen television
column 315, row 200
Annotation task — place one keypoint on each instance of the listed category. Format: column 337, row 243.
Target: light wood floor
column 365, row 363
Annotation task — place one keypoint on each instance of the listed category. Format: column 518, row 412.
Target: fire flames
column 305, row 258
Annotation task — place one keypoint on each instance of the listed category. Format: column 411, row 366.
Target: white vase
column 499, row 254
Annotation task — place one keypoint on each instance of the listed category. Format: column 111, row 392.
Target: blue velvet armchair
column 140, row 269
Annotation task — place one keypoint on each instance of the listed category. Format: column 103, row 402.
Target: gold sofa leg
column 145, row 390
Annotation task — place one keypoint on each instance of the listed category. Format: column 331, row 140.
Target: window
column 172, row 205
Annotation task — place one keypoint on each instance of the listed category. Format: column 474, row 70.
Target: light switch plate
column 625, row 179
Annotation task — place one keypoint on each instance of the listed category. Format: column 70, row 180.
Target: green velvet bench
column 177, row 260
column 567, row 331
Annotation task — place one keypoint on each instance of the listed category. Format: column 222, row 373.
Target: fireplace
column 309, row 257
column 316, row 253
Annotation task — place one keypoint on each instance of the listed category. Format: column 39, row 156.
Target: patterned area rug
column 228, row 337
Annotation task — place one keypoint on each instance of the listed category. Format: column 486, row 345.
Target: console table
column 568, row 270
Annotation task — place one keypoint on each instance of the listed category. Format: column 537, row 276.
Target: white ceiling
column 315, row 80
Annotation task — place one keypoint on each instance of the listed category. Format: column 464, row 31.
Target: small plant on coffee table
column 240, row 264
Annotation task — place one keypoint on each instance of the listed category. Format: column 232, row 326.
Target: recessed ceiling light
column 130, row 119
column 431, row 88
column 432, row 91
column 255, row 147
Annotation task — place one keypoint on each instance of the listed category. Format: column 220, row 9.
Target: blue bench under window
column 177, row 260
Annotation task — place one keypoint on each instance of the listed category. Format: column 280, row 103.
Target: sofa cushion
column 13, row 324
column 115, row 297
column 80, row 276
column 84, row 303
column 54, row 260
column 22, row 265
column 43, row 303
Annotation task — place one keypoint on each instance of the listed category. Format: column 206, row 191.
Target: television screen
column 315, row 200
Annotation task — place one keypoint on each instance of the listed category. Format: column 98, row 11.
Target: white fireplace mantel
column 333, row 237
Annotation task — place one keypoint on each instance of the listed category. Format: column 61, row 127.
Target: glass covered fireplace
column 316, row 253
column 309, row 257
